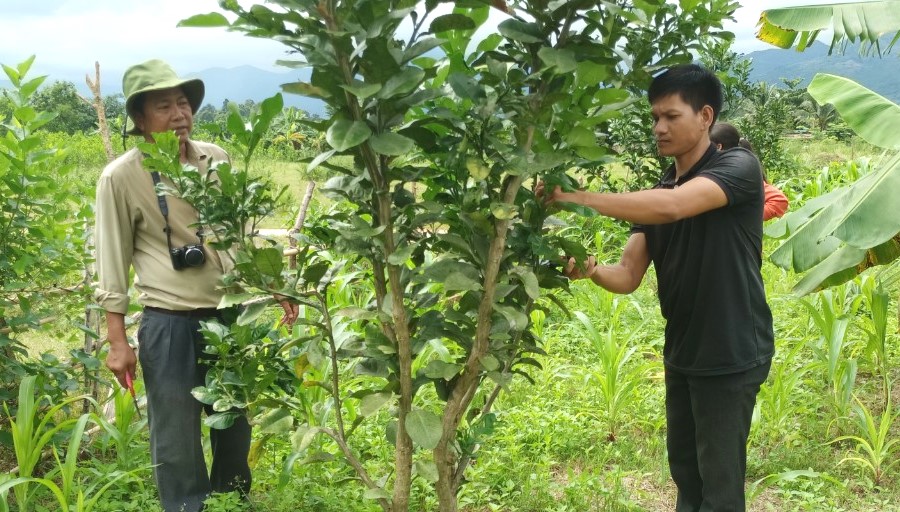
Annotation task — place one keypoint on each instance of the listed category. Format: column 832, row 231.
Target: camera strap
column 163, row 207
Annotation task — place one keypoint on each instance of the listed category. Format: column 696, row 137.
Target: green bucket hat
column 155, row 75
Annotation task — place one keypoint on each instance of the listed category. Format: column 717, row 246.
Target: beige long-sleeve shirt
column 129, row 231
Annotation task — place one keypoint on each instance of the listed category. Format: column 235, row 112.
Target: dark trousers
column 708, row 421
column 170, row 351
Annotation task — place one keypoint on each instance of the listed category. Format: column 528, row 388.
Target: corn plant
column 616, row 377
column 32, row 429
column 832, row 315
column 876, row 325
column 72, row 494
column 123, row 431
column 777, row 403
column 876, row 449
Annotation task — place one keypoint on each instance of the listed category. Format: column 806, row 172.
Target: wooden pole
column 298, row 225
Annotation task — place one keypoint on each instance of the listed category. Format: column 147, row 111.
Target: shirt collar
column 668, row 179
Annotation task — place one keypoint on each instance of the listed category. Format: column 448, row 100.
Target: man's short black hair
column 696, row 85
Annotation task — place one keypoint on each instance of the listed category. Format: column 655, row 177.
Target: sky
column 72, row 34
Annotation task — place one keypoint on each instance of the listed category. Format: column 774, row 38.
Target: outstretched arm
column 623, row 277
column 654, row 206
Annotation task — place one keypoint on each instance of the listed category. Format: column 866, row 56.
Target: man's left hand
column 291, row 310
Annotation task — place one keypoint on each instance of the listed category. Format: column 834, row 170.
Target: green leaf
column 305, row 89
column 562, row 60
column 529, row 281
column 401, row 255
column 251, row 313
column 213, row 19
column 489, row 362
column 861, row 219
column 276, row 421
column 221, row 420
column 517, row 319
column 452, row 21
column 477, row 169
column 872, row 116
column 343, row 134
column 362, row 90
column 402, row 83
column 504, row 211
column 426, row 469
column 424, row 428
column 269, row 261
column 438, row 369
column 520, row 31
column 233, row 299
column 370, row 404
column 321, row 157
column 465, row 86
column 390, row 143
column 204, row 395
column 376, row 493
column 866, row 22
column 457, row 281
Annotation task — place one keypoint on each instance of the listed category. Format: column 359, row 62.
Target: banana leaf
column 865, row 111
column 863, row 22
column 845, row 264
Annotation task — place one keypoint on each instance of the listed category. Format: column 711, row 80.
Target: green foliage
column 42, row 250
column 616, row 376
column 32, row 429
column 876, row 449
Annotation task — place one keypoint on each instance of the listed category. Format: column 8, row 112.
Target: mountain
column 236, row 84
column 241, row 83
column 247, row 82
column 881, row 75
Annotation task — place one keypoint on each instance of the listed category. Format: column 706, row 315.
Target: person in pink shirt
column 726, row 136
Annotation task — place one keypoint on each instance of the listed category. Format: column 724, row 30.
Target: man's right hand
column 121, row 358
column 585, row 271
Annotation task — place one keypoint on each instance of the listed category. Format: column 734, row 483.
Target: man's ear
column 138, row 120
column 707, row 114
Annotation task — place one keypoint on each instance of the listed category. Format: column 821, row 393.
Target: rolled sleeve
column 113, row 245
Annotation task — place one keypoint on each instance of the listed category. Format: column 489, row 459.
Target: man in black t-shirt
column 701, row 226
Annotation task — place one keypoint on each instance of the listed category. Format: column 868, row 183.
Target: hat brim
column 193, row 88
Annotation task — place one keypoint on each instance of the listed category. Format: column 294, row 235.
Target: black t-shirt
column 708, row 268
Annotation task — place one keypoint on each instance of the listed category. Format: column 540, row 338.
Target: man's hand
column 121, row 358
column 291, row 310
column 554, row 195
column 573, row 272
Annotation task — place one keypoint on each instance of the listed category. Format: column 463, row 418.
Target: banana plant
column 836, row 236
column 866, row 22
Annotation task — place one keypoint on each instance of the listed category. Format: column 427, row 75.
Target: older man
column 177, row 279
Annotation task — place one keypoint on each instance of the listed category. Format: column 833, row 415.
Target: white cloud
column 71, row 34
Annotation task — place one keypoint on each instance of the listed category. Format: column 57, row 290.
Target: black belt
column 189, row 313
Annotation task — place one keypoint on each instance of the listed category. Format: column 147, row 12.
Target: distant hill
column 241, row 83
column 247, row 82
column 236, row 84
column 881, row 75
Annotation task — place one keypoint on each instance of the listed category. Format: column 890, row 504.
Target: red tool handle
column 129, row 383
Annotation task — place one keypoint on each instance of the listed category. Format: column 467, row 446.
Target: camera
column 191, row 255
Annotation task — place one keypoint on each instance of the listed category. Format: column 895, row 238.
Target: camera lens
column 193, row 256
